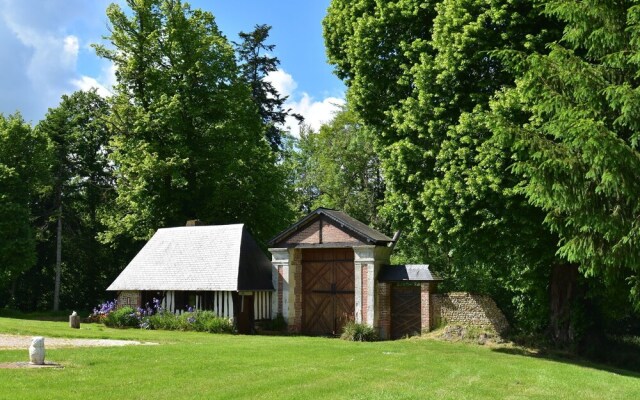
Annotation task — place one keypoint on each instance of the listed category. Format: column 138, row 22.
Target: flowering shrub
column 153, row 316
column 100, row 313
column 125, row 317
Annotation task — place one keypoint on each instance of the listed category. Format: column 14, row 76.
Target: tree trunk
column 563, row 291
column 56, row 290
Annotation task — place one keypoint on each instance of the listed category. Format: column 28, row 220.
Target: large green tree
column 339, row 168
column 188, row 141
column 422, row 73
column 81, row 190
column 577, row 150
column 24, row 160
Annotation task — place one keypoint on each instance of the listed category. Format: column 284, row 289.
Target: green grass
column 194, row 365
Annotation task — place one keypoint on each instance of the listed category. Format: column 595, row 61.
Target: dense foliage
column 337, row 167
column 425, row 90
column 187, row 138
column 24, row 160
column 475, row 175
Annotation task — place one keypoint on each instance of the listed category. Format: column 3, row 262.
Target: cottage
column 329, row 268
column 219, row 268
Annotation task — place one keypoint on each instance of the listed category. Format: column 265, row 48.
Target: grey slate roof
column 407, row 273
column 370, row 234
column 207, row 258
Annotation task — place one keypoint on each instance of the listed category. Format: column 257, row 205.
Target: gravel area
column 23, row 342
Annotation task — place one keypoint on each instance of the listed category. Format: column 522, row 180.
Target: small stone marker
column 36, row 351
column 74, row 320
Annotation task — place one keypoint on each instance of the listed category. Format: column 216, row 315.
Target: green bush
column 207, row 321
column 164, row 320
column 124, row 317
column 358, row 332
column 200, row 321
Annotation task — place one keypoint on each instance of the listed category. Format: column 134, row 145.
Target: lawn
column 199, row 365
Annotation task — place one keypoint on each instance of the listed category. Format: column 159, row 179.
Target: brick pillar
column 426, row 320
column 295, row 292
column 384, row 306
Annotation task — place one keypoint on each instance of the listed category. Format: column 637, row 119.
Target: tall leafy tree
column 577, row 150
column 340, row 168
column 82, row 188
column 422, row 74
column 24, row 160
column 256, row 63
column 188, row 140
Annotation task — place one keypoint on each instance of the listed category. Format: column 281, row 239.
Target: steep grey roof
column 197, row 258
column 340, row 217
column 408, row 272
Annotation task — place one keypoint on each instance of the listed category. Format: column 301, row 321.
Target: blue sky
column 45, row 51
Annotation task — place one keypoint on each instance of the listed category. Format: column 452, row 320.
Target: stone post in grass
column 74, row 320
column 36, row 351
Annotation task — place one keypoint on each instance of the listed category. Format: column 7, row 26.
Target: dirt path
column 23, row 342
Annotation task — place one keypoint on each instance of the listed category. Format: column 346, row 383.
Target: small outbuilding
column 329, row 268
column 207, row 267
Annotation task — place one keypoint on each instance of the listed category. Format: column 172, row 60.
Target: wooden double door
column 328, row 290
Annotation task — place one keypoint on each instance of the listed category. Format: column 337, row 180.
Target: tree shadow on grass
column 616, row 357
column 36, row 316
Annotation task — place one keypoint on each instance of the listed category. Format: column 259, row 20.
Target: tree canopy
column 187, row 137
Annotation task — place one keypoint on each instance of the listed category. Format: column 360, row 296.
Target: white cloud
column 87, row 83
column 315, row 112
column 40, row 50
column 104, row 83
column 71, row 46
column 282, row 82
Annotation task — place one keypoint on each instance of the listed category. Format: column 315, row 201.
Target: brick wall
column 333, row 234
column 468, row 309
column 308, row 235
column 320, row 231
column 295, row 320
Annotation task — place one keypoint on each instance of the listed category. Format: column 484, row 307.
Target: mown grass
column 190, row 365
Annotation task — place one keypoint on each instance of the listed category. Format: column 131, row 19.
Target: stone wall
column 468, row 309
column 130, row 299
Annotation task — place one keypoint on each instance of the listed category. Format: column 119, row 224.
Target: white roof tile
column 186, row 258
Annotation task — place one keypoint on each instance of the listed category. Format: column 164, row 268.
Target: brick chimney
column 195, row 222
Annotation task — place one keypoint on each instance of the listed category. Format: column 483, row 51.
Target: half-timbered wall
column 262, row 305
